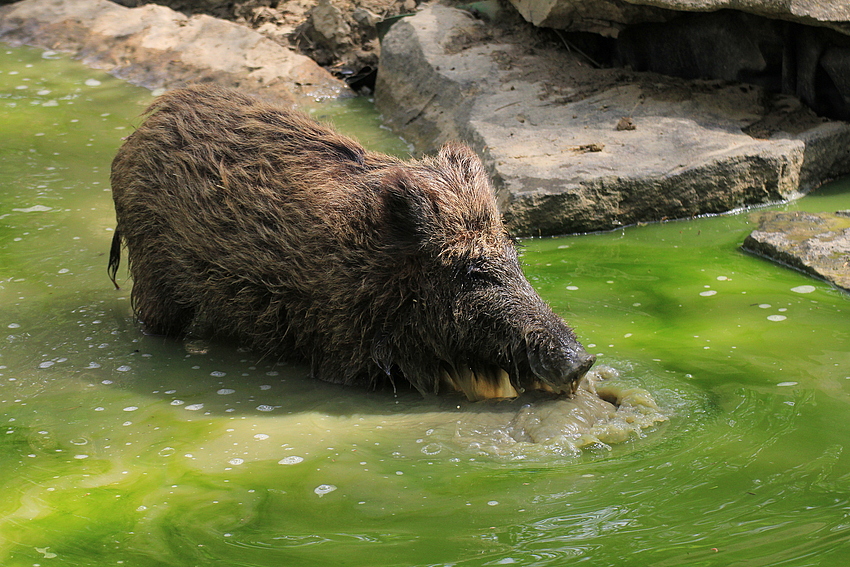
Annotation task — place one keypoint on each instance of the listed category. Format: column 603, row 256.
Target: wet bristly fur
column 247, row 220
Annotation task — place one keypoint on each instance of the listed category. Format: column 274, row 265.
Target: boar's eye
column 479, row 273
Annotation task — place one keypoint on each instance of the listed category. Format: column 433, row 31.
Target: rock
column 329, row 24
column 216, row 8
column 341, row 36
column 156, row 47
column 609, row 17
column 290, row 24
column 626, row 123
column 605, row 17
column 697, row 147
column 815, row 243
column 365, row 18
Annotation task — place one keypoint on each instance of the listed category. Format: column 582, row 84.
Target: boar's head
column 470, row 319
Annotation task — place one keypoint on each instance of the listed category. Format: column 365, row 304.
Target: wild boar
column 246, row 220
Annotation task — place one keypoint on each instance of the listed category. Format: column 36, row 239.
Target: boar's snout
column 557, row 360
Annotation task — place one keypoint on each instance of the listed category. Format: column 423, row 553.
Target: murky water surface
column 118, row 448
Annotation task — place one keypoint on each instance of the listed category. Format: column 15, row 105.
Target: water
column 118, row 448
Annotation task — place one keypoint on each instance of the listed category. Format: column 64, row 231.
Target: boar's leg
column 154, row 298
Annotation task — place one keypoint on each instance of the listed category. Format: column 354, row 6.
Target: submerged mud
column 604, row 411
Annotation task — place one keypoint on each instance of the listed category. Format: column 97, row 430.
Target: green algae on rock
column 814, row 243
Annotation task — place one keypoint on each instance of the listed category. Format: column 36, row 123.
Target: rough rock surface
column 815, row 243
column 575, row 149
column 155, row 47
column 340, row 35
column 605, row 17
column 608, row 17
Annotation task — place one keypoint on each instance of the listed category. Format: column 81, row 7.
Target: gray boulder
column 156, row 47
column 575, row 149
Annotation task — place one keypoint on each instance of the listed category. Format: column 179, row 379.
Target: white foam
column 803, row 289
column 323, row 489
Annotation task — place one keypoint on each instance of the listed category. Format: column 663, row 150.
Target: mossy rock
column 815, row 243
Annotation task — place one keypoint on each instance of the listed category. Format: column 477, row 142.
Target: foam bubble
column 803, row 289
column 432, row 449
column 323, row 489
column 292, row 460
column 34, row 209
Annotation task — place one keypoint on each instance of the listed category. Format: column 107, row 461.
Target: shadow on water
column 113, row 369
column 79, row 357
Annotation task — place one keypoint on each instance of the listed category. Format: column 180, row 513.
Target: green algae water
column 120, row 448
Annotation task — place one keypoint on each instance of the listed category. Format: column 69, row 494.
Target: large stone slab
column 605, row 17
column 608, row 17
column 574, row 149
column 815, row 243
column 156, row 47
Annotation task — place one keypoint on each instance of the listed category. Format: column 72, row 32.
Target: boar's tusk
column 485, row 384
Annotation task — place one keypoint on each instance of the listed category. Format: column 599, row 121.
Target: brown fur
column 247, row 220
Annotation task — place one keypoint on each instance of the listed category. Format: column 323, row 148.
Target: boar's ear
column 462, row 159
column 409, row 209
